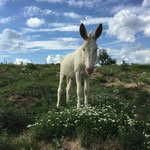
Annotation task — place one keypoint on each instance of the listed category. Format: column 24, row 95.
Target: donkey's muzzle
column 89, row 70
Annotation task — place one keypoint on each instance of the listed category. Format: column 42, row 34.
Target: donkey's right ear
column 98, row 32
column 83, row 32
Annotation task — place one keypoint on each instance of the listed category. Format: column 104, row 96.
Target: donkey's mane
column 90, row 33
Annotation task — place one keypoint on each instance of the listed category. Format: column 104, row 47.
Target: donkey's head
column 90, row 47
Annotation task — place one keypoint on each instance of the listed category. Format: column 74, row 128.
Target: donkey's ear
column 83, row 32
column 98, row 32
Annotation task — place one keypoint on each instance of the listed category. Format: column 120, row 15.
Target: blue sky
column 42, row 31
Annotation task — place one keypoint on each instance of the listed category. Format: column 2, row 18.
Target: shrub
column 144, row 77
column 143, row 97
column 130, row 138
column 12, row 118
column 7, row 79
column 27, row 143
column 101, row 80
column 123, row 92
column 104, row 59
column 124, row 66
column 108, row 73
column 106, row 116
column 95, row 122
column 31, row 66
column 6, row 142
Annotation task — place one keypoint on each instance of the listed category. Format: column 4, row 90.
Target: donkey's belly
column 67, row 66
column 70, row 75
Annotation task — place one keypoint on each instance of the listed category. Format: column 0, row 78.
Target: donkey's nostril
column 89, row 70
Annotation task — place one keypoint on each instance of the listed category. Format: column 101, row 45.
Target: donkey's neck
column 80, row 56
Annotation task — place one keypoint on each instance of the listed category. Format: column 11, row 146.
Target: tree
column 124, row 66
column 104, row 59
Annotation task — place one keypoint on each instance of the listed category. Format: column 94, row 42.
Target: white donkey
column 79, row 64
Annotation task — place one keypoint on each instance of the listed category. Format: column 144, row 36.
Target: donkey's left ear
column 98, row 32
column 83, row 32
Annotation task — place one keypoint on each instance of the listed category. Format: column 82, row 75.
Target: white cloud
column 54, row 44
column 140, row 57
column 5, row 20
column 5, row 56
column 9, row 34
column 82, row 3
column 98, row 4
column 10, row 40
column 72, row 15
column 54, row 59
column 73, row 28
column 3, row 2
column 137, row 54
column 147, row 31
column 146, row 3
column 89, row 20
column 77, row 3
column 35, row 22
column 125, row 25
column 51, row 1
column 61, row 28
column 34, row 10
column 56, row 24
column 31, row 11
column 18, row 61
column 46, row 11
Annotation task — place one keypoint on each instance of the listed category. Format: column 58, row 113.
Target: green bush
column 106, row 116
column 104, row 59
column 27, row 143
column 108, row 73
column 143, row 97
column 13, row 119
column 101, row 80
column 6, row 142
column 144, row 77
column 6, row 80
column 31, row 66
column 130, row 138
column 124, row 66
column 68, row 121
column 124, row 93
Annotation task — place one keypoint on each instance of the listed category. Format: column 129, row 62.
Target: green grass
column 116, row 117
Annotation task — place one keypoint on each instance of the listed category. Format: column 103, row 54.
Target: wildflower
column 76, row 121
column 147, row 136
column 29, row 126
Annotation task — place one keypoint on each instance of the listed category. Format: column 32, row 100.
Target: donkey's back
column 67, row 65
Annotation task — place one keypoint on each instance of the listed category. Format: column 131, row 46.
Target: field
column 117, row 117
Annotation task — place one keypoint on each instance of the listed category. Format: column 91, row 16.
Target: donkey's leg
column 86, row 89
column 79, row 88
column 59, row 92
column 68, row 89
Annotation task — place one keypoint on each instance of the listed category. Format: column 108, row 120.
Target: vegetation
column 124, row 66
column 104, row 59
column 117, row 117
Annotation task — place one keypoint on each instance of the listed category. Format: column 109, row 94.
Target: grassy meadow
column 117, row 117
